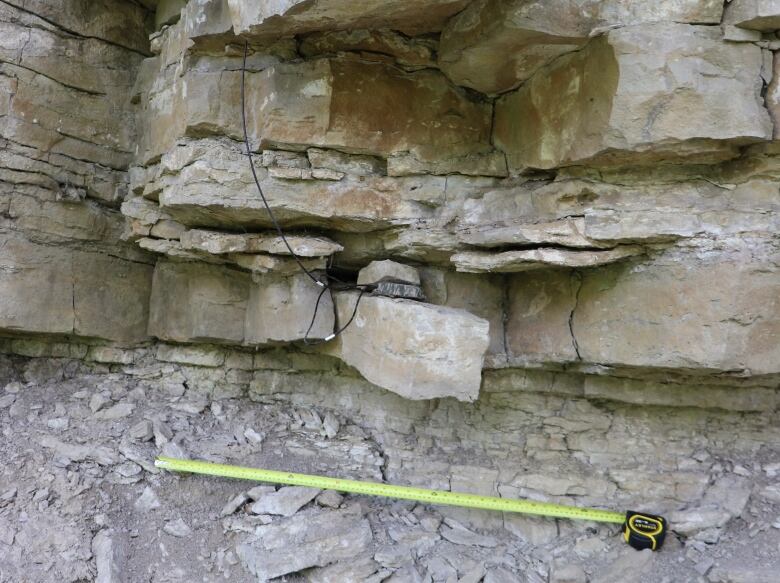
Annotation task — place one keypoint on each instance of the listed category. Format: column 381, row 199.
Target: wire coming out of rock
column 332, row 283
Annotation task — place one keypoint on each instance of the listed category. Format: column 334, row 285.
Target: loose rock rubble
column 84, row 501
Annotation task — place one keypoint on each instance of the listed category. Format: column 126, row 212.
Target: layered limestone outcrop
column 596, row 171
column 548, row 234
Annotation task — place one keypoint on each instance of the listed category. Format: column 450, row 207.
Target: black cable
column 342, row 285
column 254, row 173
column 337, row 332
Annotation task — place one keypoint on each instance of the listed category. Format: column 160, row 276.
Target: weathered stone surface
column 321, row 539
column 388, row 270
column 676, row 395
column 267, row 20
column 482, row 295
column 761, row 15
column 419, row 113
column 514, row 261
column 711, row 312
column 115, row 21
column 419, row 351
column 584, row 214
column 565, row 233
column 195, row 355
column 216, row 242
column 167, row 229
column 208, row 183
column 354, row 164
column 110, row 297
column 49, row 270
column 80, row 293
column 412, row 53
column 191, row 303
column 280, row 309
column 494, row 45
column 540, row 305
column 261, row 264
column 612, row 102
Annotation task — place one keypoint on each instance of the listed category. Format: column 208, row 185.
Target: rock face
column 611, row 103
column 660, row 330
column 493, row 45
column 761, row 15
column 563, row 216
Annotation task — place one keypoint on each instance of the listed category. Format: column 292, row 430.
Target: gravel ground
column 80, row 499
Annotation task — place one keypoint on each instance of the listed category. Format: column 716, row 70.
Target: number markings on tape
column 391, row 491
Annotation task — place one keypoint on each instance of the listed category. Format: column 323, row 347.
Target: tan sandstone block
column 638, row 95
column 198, row 302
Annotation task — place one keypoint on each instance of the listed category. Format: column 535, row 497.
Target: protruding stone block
column 495, row 45
column 280, row 309
column 529, row 259
column 208, row 183
column 419, row 351
column 763, row 15
column 638, row 95
column 198, row 303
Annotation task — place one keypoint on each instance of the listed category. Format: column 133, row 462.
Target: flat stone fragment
column 321, row 538
column 456, row 533
column 285, row 502
column 390, row 271
column 419, row 351
column 218, row 243
column 106, row 558
column 611, row 104
column 565, row 233
column 515, row 261
column 763, row 15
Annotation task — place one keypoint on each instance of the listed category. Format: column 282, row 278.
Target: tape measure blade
column 439, row 497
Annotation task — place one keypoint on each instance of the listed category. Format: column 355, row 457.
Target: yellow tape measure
column 424, row 495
